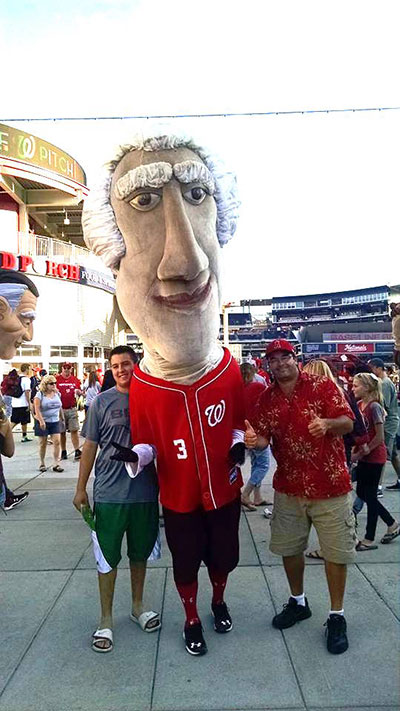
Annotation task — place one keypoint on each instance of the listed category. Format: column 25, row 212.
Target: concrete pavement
column 49, row 605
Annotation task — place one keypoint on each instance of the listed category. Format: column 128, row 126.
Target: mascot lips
column 183, row 300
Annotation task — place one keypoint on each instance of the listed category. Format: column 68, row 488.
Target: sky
column 319, row 191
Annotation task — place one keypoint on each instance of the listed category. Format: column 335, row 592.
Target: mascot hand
column 237, row 454
column 123, row 454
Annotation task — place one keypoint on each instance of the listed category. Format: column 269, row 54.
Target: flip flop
column 389, row 537
column 249, row 506
column 144, row 619
column 57, row 468
column 102, row 635
column 362, row 547
column 42, row 468
column 315, row 555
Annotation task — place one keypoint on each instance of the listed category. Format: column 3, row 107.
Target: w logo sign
column 215, row 413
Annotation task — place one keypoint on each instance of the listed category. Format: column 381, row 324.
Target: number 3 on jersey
column 182, row 451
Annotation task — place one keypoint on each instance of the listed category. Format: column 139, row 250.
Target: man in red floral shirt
column 304, row 417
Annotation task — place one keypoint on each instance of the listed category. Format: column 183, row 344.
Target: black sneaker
column 78, row 455
column 222, row 619
column 64, row 454
column 379, row 494
column 26, row 439
column 194, row 640
column 393, row 487
column 292, row 612
column 14, row 499
column 336, row 637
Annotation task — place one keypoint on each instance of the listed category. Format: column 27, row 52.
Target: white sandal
column 99, row 635
column 144, row 619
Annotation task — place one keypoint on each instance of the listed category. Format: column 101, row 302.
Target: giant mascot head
column 163, row 209
column 18, row 296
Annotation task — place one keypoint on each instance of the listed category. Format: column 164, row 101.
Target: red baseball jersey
column 191, row 427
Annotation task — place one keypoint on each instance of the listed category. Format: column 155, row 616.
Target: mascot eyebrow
column 155, row 175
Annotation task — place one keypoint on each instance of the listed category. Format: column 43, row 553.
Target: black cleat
column 14, row 500
column 292, row 612
column 194, row 640
column 336, row 637
column 222, row 619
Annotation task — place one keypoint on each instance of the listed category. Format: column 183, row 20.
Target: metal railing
column 64, row 252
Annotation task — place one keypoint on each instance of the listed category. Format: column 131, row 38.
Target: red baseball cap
column 280, row 344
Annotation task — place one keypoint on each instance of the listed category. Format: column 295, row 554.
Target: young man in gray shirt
column 121, row 504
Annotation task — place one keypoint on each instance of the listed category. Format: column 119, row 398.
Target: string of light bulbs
column 231, row 114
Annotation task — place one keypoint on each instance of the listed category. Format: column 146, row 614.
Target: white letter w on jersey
column 215, row 413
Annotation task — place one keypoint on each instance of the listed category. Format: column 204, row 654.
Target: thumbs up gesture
column 318, row 427
column 250, row 437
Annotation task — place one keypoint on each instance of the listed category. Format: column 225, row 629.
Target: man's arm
column 337, row 426
column 7, row 445
column 85, row 467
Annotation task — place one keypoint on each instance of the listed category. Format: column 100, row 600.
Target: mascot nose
column 183, row 257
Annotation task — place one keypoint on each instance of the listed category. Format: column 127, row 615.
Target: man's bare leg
column 138, row 576
column 294, row 569
column 336, row 578
column 75, row 440
column 106, row 589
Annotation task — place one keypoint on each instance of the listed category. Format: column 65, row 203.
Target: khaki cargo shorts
column 332, row 518
column 71, row 420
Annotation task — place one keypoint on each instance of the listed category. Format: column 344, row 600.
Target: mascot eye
column 145, row 201
column 195, row 195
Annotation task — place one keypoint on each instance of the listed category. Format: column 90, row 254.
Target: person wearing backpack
column 21, row 402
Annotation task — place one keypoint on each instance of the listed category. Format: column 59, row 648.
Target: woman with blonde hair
column 371, row 459
column 48, row 411
column 319, row 367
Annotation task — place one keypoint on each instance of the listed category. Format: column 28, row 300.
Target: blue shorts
column 51, row 428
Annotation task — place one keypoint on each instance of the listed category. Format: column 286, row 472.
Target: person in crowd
column 122, row 505
column 321, row 368
column 69, row 388
column 259, row 458
column 18, row 301
column 305, row 418
column 108, row 380
column 164, row 207
column 391, row 422
column 21, row 406
column 371, row 458
column 48, row 414
column 92, row 389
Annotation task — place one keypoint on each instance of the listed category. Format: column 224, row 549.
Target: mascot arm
column 395, row 314
column 237, row 451
column 135, row 459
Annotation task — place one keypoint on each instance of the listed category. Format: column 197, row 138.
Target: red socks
column 188, row 595
column 218, row 581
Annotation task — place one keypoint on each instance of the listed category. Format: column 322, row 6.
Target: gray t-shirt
column 108, row 421
column 391, row 407
column 50, row 406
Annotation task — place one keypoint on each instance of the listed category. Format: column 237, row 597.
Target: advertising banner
column 382, row 336
column 355, row 348
column 319, row 347
column 384, row 347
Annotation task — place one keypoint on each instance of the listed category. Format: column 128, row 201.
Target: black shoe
column 26, row 439
column 222, row 619
column 379, row 494
column 78, row 455
column 336, row 637
column 194, row 640
column 393, row 487
column 292, row 612
column 14, row 499
column 64, row 454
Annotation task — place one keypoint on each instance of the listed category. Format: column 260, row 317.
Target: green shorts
column 138, row 521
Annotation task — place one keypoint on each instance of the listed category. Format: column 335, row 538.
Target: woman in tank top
column 48, row 412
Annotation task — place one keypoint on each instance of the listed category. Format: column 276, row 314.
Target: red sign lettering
column 24, row 262
column 8, row 260
column 74, row 272
column 51, row 268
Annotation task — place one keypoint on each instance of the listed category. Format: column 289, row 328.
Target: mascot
column 162, row 211
column 395, row 316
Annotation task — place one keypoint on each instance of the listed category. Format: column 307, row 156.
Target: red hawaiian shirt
column 314, row 468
